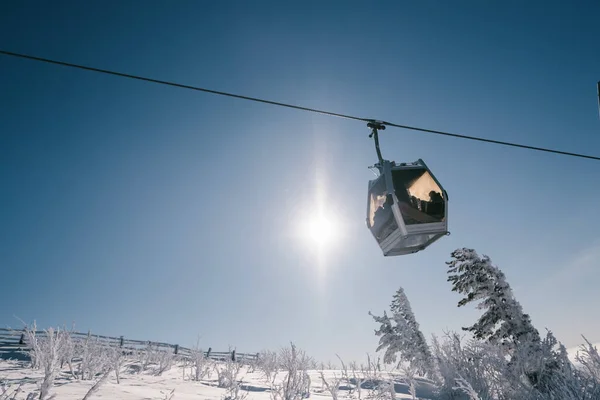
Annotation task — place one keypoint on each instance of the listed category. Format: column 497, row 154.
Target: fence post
column 121, row 341
column 22, row 339
column 233, row 355
column 176, row 348
column 208, row 352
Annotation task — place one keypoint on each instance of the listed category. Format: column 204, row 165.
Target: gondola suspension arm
column 375, row 127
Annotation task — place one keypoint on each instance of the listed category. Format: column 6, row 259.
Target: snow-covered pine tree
column 401, row 336
column 503, row 321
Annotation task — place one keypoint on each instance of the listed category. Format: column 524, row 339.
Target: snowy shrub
column 332, row 385
column 58, row 347
column 164, row 361
column 152, row 355
column 47, row 352
column 115, row 360
column 348, row 376
column 589, row 358
column 32, row 345
column 379, row 382
column 409, row 375
column 234, row 392
column 147, row 356
column 95, row 358
column 199, row 364
column 481, row 365
column 296, row 382
column 228, row 378
column 382, row 388
column 227, row 373
column 267, row 363
column 464, row 386
column 356, row 376
column 472, row 369
column 556, row 377
column 69, row 352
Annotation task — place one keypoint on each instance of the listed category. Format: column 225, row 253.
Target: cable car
column 407, row 207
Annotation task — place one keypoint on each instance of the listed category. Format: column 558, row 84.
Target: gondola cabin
column 407, row 208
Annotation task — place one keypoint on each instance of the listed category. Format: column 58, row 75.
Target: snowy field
column 143, row 382
column 176, row 384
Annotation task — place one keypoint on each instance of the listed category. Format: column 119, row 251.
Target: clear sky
column 158, row 213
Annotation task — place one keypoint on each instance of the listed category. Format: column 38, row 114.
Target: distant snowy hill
column 573, row 351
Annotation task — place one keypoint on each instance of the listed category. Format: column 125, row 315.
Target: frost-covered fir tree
column 503, row 321
column 400, row 336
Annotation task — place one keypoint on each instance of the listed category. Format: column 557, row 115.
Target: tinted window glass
column 380, row 217
column 420, row 198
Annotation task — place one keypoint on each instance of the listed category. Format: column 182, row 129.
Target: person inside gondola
column 383, row 220
column 435, row 206
column 411, row 209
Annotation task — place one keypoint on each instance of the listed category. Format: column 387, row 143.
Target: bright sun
column 318, row 224
column 320, row 229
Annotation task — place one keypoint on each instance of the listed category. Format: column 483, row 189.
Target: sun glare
column 320, row 229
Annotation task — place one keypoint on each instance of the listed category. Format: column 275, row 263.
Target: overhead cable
column 275, row 103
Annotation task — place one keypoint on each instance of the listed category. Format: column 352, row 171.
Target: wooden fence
column 12, row 341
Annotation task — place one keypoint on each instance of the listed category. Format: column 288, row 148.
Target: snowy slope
column 143, row 386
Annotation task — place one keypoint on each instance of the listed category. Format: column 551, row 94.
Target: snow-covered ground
column 145, row 386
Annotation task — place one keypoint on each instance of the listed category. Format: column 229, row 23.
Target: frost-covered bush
column 481, row 365
column 56, row 347
column 227, row 373
column 267, row 363
column 235, row 392
column 369, row 375
column 473, row 369
column 94, row 355
column 332, row 384
column 152, row 356
column 47, row 352
column 148, row 356
column 296, row 383
column 589, row 359
column 199, row 364
column 69, row 353
column 164, row 361
column 115, row 360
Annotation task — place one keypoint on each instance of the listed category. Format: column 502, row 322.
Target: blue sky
column 157, row 213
